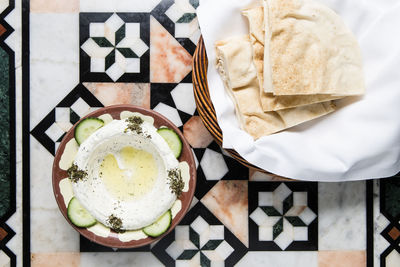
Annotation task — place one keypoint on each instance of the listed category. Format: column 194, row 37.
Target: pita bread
column 239, row 74
column 270, row 102
column 309, row 50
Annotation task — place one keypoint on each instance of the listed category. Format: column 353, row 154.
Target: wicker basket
column 204, row 105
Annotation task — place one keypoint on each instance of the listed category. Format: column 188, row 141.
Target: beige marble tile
column 342, row 258
column 262, row 177
column 227, row 200
column 196, row 133
column 54, row 6
column 55, row 259
column 169, row 61
column 121, row 93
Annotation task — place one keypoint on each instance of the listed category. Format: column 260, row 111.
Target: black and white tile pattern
column 283, row 216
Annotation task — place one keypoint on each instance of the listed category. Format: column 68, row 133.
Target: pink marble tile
column 54, row 6
column 196, row 133
column 169, row 61
column 341, row 259
column 121, row 93
column 227, row 200
column 60, row 259
column 260, row 176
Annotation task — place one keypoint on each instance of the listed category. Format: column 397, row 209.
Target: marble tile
column 393, row 259
column 342, row 216
column 3, row 5
column 121, row 93
column 227, row 200
column 196, row 133
column 169, row 112
column 169, row 61
column 55, row 259
column 261, row 176
column 213, row 165
column 119, row 259
column 341, row 259
column 46, row 219
column 118, row 6
column 279, row 258
column 183, row 97
column 4, row 259
column 54, row 6
column 51, row 72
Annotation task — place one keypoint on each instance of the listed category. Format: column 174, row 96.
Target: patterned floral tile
column 283, row 216
column 200, row 239
column 114, row 47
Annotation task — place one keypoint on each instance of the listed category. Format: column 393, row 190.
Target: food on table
column 298, row 58
column 125, row 176
column 172, row 139
column 240, row 79
column 269, row 101
column 160, row 226
column 86, row 127
column 309, row 50
column 78, row 215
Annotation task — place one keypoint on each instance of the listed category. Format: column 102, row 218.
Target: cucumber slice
column 78, row 215
column 172, row 139
column 86, row 127
column 160, row 226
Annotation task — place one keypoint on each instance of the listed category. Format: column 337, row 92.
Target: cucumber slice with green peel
column 86, row 127
column 160, row 226
column 172, row 139
column 78, row 215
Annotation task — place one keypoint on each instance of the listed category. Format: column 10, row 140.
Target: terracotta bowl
column 186, row 197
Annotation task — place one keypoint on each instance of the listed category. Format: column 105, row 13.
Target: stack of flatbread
column 298, row 58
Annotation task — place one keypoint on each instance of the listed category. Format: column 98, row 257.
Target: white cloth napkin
column 361, row 140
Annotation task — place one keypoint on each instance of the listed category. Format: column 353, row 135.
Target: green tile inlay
column 211, row 244
column 194, row 3
column 186, row 18
column 4, row 133
column 110, row 59
column 295, row 221
column 102, row 42
column 204, row 261
column 270, row 211
column 277, row 229
column 392, row 196
column 187, row 254
column 120, row 34
column 73, row 117
column 287, row 203
column 127, row 53
column 194, row 237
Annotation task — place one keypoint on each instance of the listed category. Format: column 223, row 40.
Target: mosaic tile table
column 76, row 56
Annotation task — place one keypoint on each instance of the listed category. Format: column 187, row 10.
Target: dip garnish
column 134, row 124
column 116, row 223
column 176, row 183
column 75, row 174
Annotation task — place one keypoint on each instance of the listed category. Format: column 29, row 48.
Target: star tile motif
column 199, row 240
column 281, row 216
column 115, row 49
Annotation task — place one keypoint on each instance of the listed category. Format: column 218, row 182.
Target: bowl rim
column 186, row 197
